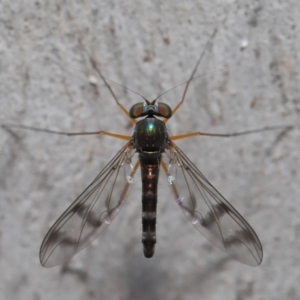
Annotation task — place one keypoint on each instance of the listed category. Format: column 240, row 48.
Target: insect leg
column 118, row 136
column 193, row 134
column 94, row 64
column 208, row 44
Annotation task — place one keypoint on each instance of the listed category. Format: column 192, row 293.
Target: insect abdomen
column 150, row 173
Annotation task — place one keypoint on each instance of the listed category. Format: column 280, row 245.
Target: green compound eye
column 164, row 110
column 136, row 110
column 141, row 109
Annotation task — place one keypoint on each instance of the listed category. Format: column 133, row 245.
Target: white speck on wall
column 244, row 44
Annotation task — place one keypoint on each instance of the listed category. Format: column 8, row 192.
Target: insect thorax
column 150, row 136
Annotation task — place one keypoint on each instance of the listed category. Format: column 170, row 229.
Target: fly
column 150, row 149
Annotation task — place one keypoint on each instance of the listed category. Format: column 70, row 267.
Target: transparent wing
column 91, row 212
column 210, row 213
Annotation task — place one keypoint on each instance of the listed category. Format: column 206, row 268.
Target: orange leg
column 94, row 64
column 118, row 136
column 208, row 44
column 189, row 135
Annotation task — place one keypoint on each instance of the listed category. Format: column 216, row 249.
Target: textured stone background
column 149, row 46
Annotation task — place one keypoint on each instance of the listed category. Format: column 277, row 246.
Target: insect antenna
column 127, row 88
column 182, row 83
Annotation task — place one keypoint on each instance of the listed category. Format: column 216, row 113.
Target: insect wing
column 91, row 212
column 210, row 213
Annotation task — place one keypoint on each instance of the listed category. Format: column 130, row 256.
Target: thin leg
column 118, row 136
column 208, row 44
column 189, row 135
column 136, row 166
column 94, row 64
column 173, row 186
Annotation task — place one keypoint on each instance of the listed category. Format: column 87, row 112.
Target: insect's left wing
column 209, row 211
column 91, row 212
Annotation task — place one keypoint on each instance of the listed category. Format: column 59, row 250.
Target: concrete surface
column 149, row 46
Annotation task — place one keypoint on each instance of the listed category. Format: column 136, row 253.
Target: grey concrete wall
column 149, row 46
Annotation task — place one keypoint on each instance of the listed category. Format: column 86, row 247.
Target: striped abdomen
column 150, row 173
column 150, row 138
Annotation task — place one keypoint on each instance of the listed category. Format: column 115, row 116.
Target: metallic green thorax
column 150, row 137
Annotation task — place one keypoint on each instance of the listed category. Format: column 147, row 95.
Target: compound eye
column 136, row 110
column 164, row 110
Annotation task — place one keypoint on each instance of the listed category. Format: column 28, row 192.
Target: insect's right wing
column 209, row 211
column 91, row 212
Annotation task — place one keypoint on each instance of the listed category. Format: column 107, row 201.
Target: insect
column 150, row 148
